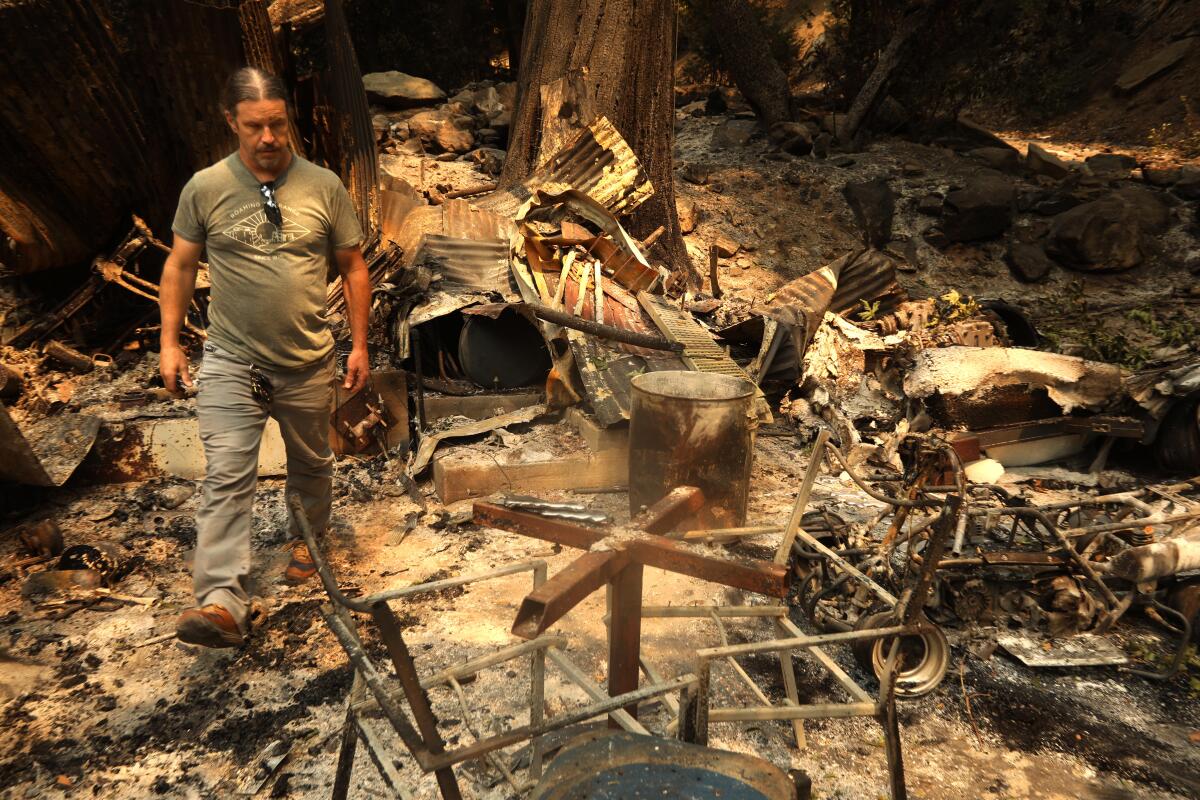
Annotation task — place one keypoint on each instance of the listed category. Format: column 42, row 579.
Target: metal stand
column 373, row 694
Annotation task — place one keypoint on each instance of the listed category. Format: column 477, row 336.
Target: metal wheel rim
column 923, row 677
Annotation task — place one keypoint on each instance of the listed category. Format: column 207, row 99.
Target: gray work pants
column 231, row 427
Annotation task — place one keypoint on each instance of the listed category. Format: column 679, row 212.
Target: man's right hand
column 173, row 366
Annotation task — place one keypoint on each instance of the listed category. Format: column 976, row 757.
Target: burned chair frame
column 422, row 739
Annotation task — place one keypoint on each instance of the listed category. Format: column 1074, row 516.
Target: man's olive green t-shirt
column 268, row 292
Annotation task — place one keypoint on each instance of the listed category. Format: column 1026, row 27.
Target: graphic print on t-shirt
column 263, row 235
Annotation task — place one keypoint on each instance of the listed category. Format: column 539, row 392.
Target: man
column 270, row 222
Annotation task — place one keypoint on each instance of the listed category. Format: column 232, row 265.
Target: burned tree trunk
column 97, row 119
column 746, row 53
column 623, row 52
column 873, row 90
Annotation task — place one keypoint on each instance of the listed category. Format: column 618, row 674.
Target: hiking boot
column 301, row 567
column 209, row 626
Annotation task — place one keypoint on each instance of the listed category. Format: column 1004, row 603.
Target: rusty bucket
column 692, row 429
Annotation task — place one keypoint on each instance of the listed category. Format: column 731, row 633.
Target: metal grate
column 700, row 352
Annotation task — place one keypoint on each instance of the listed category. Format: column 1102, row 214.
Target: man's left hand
column 358, row 370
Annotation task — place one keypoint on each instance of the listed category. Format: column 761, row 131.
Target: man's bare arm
column 356, row 286
column 174, row 295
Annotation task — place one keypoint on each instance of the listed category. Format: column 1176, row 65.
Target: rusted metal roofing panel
column 621, row 310
column 598, row 162
column 868, row 277
column 838, row 287
column 474, row 265
column 462, row 221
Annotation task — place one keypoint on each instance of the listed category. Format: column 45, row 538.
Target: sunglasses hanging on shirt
column 270, row 207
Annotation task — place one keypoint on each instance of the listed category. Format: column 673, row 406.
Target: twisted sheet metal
column 598, row 162
column 471, row 264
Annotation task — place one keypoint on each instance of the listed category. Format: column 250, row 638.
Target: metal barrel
column 692, row 429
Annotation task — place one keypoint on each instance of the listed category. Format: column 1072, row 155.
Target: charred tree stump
column 747, row 55
column 623, row 51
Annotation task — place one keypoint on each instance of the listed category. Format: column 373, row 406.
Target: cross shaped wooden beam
column 615, row 557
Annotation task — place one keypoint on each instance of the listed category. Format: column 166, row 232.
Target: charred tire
column 924, row 657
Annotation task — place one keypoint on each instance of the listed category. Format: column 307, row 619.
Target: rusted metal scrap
column 46, row 452
column 115, row 269
column 1055, row 569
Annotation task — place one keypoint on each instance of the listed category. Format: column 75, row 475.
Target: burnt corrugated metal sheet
column 862, row 275
column 621, row 310
column 456, row 219
column 869, row 277
column 470, row 264
column 598, row 162
column 463, row 221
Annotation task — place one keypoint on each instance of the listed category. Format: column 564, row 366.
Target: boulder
column 502, row 121
column 963, row 134
column 1109, row 234
column 1050, row 203
column 454, row 139
column 1040, row 161
column 792, row 137
column 400, row 90
column 424, row 125
column 688, row 213
column 1003, row 159
column 694, row 172
column 726, row 247
column 380, row 124
column 1028, row 261
column 487, row 102
column 930, row 204
column 983, row 209
column 1147, row 206
column 1111, row 166
column 1188, row 185
column 507, row 92
column 1146, row 70
column 1161, row 176
column 443, row 131
column 874, row 205
column 463, row 98
column 733, row 133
